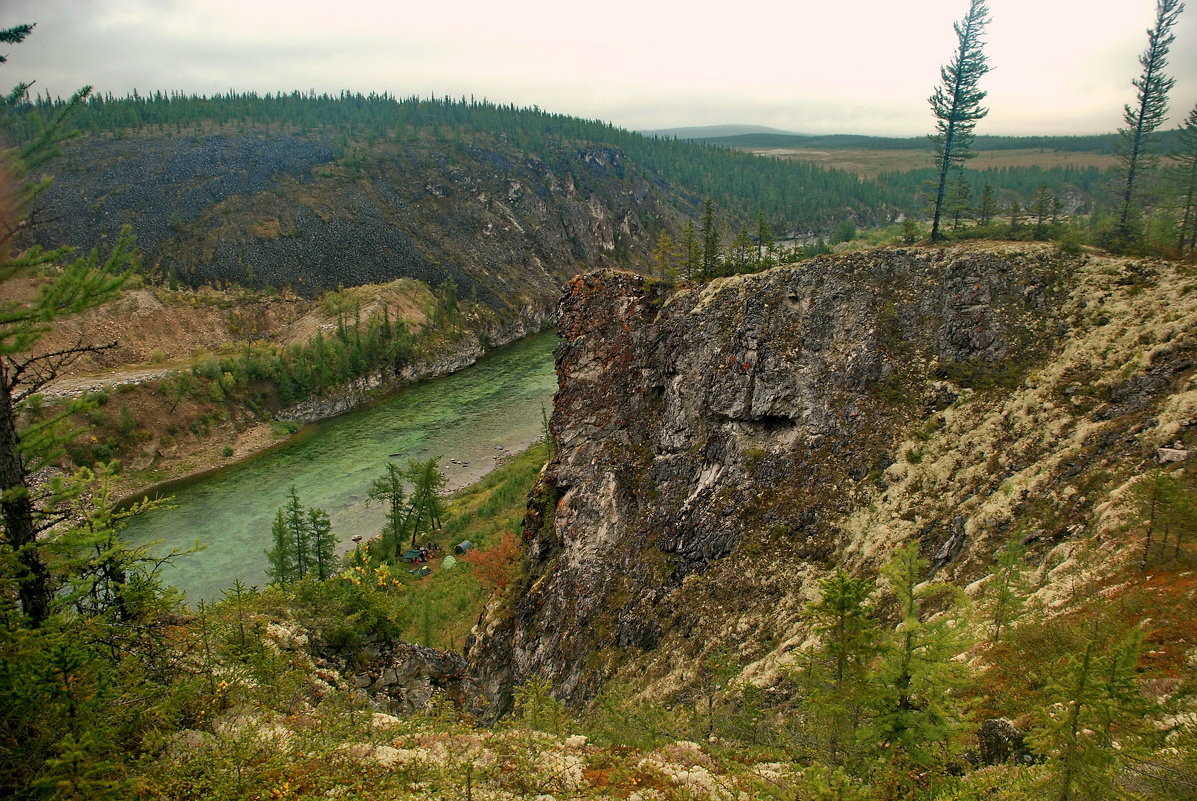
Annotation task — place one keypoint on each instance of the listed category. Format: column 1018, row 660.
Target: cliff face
column 722, row 447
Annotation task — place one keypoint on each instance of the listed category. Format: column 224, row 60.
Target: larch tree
column 388, row 489
column 915, row 718
column 323, row 550
column 24, row 370
column 987, row 206
column 711, row 243
column 665, row 257
column 282, row 569
column 691, row 251
column 764, row 243
column 425, row 506
column 958, row 199
column 956, row 103
column 1136, row 156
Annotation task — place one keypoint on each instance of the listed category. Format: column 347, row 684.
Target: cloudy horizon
column 1057, row 66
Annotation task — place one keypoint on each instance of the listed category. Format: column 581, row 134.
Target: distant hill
column 716, row 131
column 1093, row 143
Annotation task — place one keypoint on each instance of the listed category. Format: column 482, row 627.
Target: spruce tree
column 956, row 102
column 1182, row 176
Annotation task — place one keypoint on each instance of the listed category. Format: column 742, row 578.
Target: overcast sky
column 818, row 66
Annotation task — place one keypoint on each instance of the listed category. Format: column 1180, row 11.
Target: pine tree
column 1182, row 176
column 1136, row 156
column 956, row 102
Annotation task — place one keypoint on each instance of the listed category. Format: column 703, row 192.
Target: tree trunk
column 16, row 507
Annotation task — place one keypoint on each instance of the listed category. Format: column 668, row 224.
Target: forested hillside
column 315, row 191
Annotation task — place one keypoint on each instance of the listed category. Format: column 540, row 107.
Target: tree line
column 1140, row 186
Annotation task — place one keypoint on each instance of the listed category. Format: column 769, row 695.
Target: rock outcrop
column 720, row 447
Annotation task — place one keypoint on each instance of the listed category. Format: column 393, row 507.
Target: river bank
column 246, row 437
column 468, row 421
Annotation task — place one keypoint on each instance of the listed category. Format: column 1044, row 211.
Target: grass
column 871, row 163
column 441, row 609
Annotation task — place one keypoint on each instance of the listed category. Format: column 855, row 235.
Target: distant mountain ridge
column 717, row 131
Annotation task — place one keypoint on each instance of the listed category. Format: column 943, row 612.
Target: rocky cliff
column 721, row 447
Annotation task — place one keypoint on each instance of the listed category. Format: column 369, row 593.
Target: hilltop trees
column 1136, row 157
column 956, row 102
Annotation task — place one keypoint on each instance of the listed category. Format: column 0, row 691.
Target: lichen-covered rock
column 999, row 741
column 738, row 419
column 721, row 448
column 404, row 678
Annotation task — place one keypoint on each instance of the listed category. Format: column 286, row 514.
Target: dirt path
column 75, row 386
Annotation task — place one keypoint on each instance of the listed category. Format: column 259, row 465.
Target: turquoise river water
column 466, row 420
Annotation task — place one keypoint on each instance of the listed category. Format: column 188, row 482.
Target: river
column 474, row 417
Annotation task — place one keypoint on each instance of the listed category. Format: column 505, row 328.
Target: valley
column 378, row 447
column 467, row 421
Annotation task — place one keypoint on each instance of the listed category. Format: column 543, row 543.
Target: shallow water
column 473, row 416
